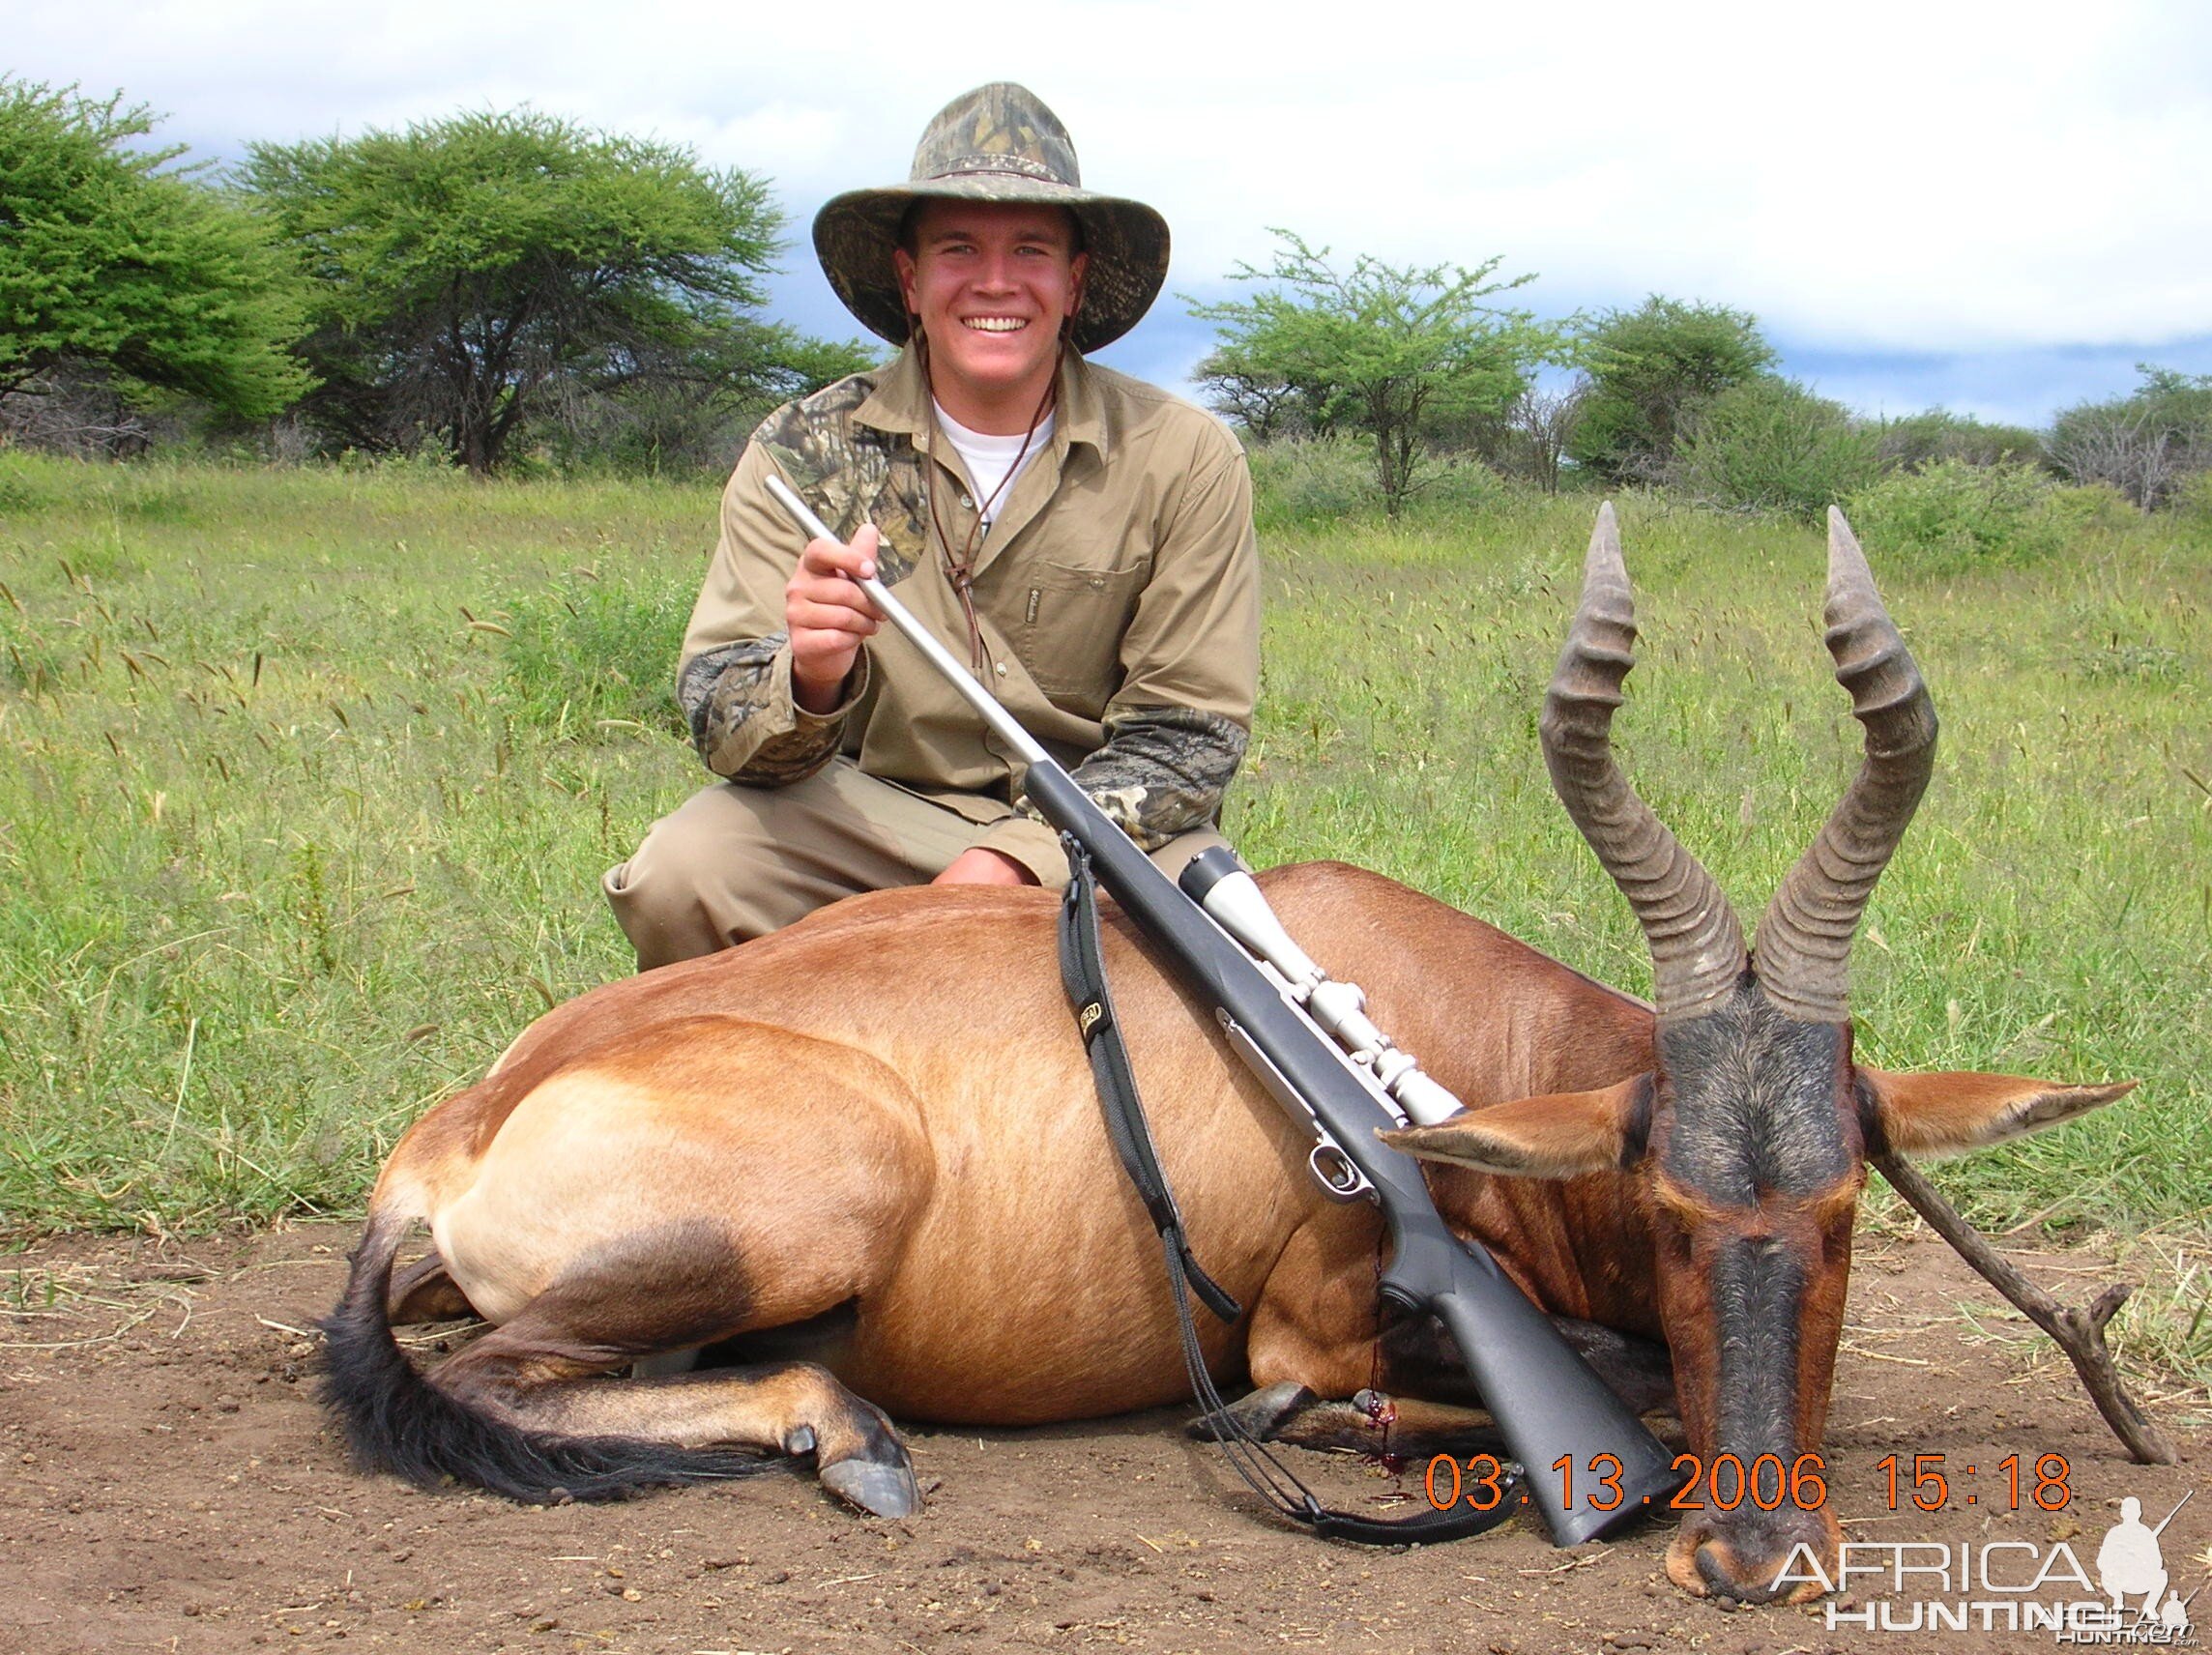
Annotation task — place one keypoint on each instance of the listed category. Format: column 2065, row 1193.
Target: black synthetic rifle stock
column 1548, row 1403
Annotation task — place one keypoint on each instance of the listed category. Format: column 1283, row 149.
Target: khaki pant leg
column 731, row 863
column 736, row 862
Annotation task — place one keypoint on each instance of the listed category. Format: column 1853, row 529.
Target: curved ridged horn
column 1803, row 956
column 1696, row 946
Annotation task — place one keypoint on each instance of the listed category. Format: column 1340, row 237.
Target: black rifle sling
column 1083, row 974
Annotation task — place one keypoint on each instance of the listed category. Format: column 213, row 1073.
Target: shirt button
column 967, row 502
column 1001, row 669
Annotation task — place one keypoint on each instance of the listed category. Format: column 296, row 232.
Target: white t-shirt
column 990, row 460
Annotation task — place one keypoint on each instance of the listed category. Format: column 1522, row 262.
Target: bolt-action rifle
column 1556, row 1414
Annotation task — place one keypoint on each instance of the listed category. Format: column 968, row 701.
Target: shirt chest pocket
column 1069, row 627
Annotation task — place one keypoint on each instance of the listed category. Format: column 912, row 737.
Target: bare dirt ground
column 172, row 1486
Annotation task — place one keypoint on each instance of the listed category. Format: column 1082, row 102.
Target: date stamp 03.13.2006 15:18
column 1767, row 1482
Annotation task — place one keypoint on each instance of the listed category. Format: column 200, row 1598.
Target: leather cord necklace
column 960, row 567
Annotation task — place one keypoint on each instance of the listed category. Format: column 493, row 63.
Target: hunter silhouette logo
column 2126, row 1598
column 2131, row 1568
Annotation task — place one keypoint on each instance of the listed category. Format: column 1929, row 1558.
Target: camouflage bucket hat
column 995, row 143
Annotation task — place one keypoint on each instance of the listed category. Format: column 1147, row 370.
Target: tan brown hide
column 936, row 1153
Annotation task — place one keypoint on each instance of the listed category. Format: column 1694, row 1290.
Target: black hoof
column 1257, row 1414
column 874, row 1487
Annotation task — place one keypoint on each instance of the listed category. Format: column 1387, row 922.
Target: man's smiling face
column 992, row 282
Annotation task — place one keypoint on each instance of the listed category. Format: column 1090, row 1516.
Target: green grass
column 307, row 778
column 2050, row 913
column 305, row 781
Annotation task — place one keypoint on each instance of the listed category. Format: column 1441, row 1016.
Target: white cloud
column 1899, row 175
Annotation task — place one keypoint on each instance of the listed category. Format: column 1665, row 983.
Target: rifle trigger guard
column 1339, row 1179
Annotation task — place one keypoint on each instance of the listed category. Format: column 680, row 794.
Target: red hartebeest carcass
column 862, row 1159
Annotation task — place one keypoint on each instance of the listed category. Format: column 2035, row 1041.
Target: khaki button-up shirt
column 1116, row 594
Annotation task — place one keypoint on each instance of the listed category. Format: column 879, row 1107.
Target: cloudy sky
column 1999, row 208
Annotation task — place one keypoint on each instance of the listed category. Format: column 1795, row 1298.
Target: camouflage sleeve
column 733, row 680
column 743, row 719
column 1163, row 772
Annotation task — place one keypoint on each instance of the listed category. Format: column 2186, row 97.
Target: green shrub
column 1952, row 513
column 589, row 650
column 2192, row 500
column 1310, row 480
column 1922, row 439
column 1454, row 485
column 1299, row 482
column 1773, row 446
column 2142, row 663
column 2093, row 508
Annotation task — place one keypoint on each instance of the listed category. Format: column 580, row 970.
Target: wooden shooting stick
column 2080, row 1330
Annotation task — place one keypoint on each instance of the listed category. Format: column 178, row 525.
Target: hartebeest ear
column 1944, row 1114
column 1561, row 1135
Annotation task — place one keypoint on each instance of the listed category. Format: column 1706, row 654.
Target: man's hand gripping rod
column 1558, row 1417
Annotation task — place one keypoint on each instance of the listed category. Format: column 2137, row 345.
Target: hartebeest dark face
column 1745, row 1150
column 1750, row 1183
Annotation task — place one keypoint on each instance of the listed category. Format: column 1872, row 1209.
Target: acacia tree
column 1649, row 372
column 1381, row 347
column 118, row 260
column 467, row 265
column 690, row 410
column 1255, row 397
